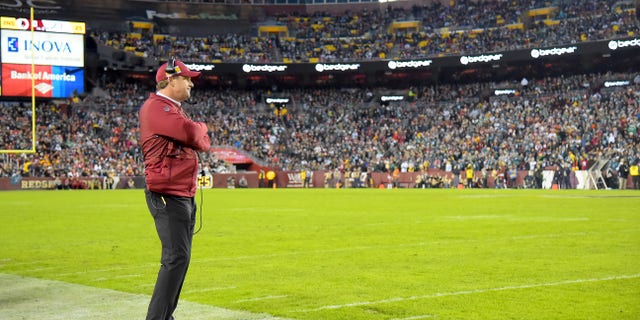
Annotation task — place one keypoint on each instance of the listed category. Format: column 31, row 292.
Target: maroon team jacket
column 169, row 143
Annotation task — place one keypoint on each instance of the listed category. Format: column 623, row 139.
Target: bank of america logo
column 12, row 45
column 43, row 88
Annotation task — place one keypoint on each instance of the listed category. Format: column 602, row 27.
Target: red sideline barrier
column 20, row 183
column 283, row 179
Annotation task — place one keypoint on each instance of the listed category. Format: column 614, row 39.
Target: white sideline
column 32, row 298
column 465, row 292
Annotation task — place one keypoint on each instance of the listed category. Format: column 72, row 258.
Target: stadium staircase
column 595, row 174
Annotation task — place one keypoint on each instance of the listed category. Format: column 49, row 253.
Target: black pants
column 175, row 219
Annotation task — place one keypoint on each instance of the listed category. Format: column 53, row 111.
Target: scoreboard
column 55, row 49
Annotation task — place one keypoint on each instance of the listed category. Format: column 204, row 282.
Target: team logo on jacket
column 166, row 108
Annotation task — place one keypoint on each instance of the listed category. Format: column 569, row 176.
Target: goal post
column 33, row 102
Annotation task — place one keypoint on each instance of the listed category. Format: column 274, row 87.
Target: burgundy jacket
column 169, row 144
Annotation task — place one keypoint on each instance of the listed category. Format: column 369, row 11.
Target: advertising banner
column 60, row 49
column 42, row 25
column 50, row 81
column 48, row 183
column 567, row 52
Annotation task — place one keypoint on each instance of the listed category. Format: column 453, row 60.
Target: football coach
column 170, row 142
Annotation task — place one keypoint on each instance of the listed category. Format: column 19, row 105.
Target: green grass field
column 332, row 254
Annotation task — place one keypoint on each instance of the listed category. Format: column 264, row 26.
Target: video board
column 55, row 49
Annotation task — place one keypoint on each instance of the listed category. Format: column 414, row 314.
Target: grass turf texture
column 350, row 254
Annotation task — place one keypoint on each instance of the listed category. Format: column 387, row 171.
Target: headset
column 171, row 70
column 171, row 66
column 202, row 174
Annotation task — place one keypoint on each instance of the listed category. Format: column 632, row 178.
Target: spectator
column 635, row 174
column 623, row 173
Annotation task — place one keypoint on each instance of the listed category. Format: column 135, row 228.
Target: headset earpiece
column 171, row 66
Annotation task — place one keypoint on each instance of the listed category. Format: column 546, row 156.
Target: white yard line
column 511, row 218
column 31, row 298
column 260, row 299
column 110, row 270
column 424, row 316
column 41, row 269
column 208, row 289
column 468, row 292
column 124, row 276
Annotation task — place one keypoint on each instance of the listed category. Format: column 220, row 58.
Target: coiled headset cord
column 201, row 195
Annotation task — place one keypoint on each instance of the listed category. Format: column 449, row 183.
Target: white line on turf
column 208, row 289
column 347, row 249
column 267, row 209
column 140, row 266
column 30, row 262
column 31, row 298
column 124, row 276
column 41, row 269
column 424, row 316
column 260, row 299
column 468, row 292
column 406, row 245
column 513, row 218
column 476, row 217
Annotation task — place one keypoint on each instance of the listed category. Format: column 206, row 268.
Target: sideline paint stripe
column 31, row 298
column 467, row 292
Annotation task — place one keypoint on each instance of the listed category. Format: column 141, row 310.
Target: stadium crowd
column 556, row 121
column 553, row 121
column 469, row 27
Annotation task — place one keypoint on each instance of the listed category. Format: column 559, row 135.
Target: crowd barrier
column 294, row 179
column 48, row 183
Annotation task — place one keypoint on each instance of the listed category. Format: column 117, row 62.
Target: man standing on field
column 170, row 142
column 634, row 171
column 623, row 173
